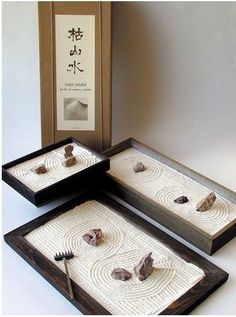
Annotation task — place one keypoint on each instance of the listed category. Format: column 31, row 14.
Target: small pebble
column 144, row 269
column 93, row 237
column 121, row 274
column 39, row 169
column 181, row 200
column 69, row 161
column 206, row 203
column 139, row 167
column 68, row 150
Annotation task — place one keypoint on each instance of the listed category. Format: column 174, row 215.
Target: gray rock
column 70, row 161
column 121, row 274
column 181, row 200
column 68, row 150
column 39, row 169
column 206, row 203
column 93, row 237
column 144, row 269
column 139, row 167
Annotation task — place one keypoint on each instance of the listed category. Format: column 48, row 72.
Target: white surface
column 54, row 162
column 123, row 246
column 163, row 184
column 171, row 74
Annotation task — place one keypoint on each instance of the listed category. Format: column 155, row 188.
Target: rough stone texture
column 93, row 237
column 69, row 161
column 181, row 200
column 121, row 274
column 39, row 169
column 68, row 151
column 144, row 268
column 206, row 203
column 139, row 167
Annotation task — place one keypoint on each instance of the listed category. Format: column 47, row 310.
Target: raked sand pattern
column 163, row 184
column 56, row 171
column 123, row 246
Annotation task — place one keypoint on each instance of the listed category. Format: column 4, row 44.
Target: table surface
column 32, row 294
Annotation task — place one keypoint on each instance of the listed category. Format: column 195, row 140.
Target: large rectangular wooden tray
column 212, row 279
column 186, row 228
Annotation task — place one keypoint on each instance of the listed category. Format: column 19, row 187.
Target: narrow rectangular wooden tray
column 213, row 278
column 207, row 243
column 60, row 188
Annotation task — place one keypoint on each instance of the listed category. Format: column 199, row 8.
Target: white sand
column 123, row 246
column 56, row 171
column 163, row 184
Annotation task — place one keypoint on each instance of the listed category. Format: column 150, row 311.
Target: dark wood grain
column 196, row 236
column 214, row 276
column 70, row 184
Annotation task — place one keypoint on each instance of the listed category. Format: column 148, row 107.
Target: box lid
column 60, row 173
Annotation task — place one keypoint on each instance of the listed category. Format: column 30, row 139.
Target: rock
column 181, row 200
column 206, row 203
column 139, row 167
column 93, row 237
column 68, row 151
column 121, row 274
column 69, row 161
column 144, row 268
column 39, row 169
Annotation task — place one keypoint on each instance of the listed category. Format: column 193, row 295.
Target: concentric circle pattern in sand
column 56, row 171
column 217, row 215
column 132, row 289
column 151, row 172
column 91, row 267
column 169, row 185
column 112, row 240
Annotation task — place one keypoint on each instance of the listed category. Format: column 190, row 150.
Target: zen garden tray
column 59, row 180
column 181, row 279
column 154, row 190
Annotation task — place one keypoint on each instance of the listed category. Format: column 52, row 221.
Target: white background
column 174, row 75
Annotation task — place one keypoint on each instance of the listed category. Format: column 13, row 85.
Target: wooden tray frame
column 59, row 189
column 162, row 215
column 214, row 276
column 99, row 139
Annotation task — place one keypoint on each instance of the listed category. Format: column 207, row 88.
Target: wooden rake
column 66, row 256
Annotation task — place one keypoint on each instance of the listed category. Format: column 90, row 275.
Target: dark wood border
column 68, row 185
column 100, row 139
column 162, row 215
column 214, row 276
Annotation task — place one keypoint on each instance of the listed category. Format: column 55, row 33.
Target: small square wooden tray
column 73, row 182
column 162, row 214
column 212, row 278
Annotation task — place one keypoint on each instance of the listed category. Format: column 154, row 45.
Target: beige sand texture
column 123, row 246
column 56, row 171
column 163, row 184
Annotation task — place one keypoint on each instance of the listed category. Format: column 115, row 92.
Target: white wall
column 20, row 78
column 174, row 75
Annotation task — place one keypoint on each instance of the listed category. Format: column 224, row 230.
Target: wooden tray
column 213, row 278
column 60, row 188
column 165, row 216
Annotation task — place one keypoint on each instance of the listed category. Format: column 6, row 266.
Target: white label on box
column 75, row 72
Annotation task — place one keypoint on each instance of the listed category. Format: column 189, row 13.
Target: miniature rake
column 66, row 256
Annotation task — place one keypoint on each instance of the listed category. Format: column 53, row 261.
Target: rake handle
column 68, row 280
